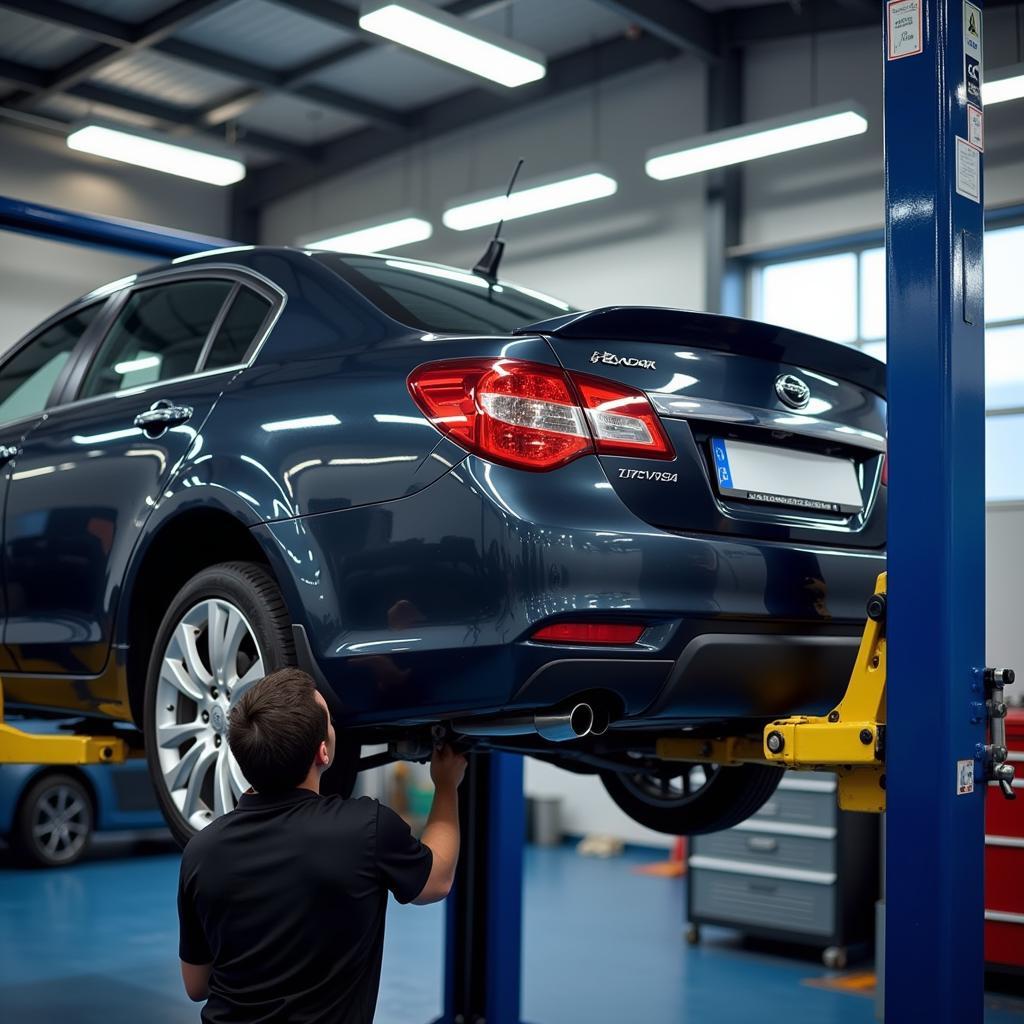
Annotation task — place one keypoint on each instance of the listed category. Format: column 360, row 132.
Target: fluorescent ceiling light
column 756, row 140
column 131, row 365
column 302, row 423
column 524, row 203
column 454, row 41
column 1005, row 84
column 150, row 152
column 378, row 237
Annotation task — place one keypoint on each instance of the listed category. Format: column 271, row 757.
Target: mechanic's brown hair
column 275, row 729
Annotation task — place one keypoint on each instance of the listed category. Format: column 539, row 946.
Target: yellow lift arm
column 849, row 740
column 19, row 747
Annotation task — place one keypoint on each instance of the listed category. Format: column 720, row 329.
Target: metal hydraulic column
column 483, row 932
column 936, row 611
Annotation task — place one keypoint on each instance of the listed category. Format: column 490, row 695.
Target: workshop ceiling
column 299, row 87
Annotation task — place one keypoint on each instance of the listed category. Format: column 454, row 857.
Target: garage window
column 841, row 296
column 158, row 335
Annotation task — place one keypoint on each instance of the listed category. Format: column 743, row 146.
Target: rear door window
column 238, row 330
column 29, row 376
column 158, row 335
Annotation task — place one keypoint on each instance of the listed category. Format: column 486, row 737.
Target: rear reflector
column 620, row 634
column 534, row 416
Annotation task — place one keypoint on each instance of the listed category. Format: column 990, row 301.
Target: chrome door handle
column 163, row 414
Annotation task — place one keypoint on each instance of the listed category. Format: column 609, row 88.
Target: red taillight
column 885, row 469
column 528, row 414
column 622, row 419
column 619, row 634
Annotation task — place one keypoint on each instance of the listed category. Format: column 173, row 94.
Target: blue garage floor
column 97, row 943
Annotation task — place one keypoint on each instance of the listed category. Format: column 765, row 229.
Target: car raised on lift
column 461, row 505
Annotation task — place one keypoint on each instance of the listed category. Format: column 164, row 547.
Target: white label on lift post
column 964, row 777
column 968, row 170
column 973, row 53
column 905, row 36
column 975, row 127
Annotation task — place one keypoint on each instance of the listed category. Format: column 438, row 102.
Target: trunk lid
column 777, row 434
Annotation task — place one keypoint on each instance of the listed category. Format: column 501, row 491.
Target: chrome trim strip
column 675, row 407
column 808, row 785
column 1013, row 841
column 1017, row 783
column 785, row 828
column 738, row 867
column 1005, row 916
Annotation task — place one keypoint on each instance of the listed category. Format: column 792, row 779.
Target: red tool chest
column 1004, row 860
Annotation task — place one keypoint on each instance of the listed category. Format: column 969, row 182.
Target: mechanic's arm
column 442, row 832
column 197, row 980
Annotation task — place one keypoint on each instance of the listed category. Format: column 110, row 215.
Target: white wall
column 37, row 277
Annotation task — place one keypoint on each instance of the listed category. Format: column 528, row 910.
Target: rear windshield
column 442, row 299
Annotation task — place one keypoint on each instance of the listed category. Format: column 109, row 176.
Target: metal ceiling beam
column 148, row 34
column 276, row 81
column 21, row 75
column 184, row 117
column 97, row 26
column 565, row 74
column 682, row 24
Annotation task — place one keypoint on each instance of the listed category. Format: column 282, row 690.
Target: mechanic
column 282, row 901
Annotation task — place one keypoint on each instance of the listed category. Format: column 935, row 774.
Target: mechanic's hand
column 447, row 768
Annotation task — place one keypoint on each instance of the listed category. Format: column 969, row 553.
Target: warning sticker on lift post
column 975, row 127
column 973, row 53
column 964, row 777
column 968, row 170
column 905, row 36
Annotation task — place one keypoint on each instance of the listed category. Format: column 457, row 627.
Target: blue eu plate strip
column 721, row 455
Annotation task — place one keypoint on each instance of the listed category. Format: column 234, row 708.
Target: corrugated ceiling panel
column 70, row 108
column 265, row 33
column 395, row 78
column 162, row 78
column 38, row 43
column 132, row 11
column 553, row 28
column 298, row 120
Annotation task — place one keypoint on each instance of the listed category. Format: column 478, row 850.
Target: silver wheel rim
column 60, row 822
column 211, row 659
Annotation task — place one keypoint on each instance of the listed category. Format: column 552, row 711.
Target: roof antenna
column 491, row 259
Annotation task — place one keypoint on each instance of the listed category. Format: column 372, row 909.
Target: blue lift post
column 483, row 926
column 934, row 960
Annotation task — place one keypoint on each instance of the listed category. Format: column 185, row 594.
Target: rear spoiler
column 722, row 333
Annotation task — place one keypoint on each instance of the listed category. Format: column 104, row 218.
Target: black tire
column 54, row 823
column 727, row 797
column 249, row 588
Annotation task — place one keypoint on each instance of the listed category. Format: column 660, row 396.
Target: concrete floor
column 98, row 943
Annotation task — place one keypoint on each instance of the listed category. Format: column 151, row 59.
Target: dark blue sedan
column 462, row 505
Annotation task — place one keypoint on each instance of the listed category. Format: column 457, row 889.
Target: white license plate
column 787, row 478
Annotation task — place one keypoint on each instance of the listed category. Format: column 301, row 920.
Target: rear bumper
column 420, row 607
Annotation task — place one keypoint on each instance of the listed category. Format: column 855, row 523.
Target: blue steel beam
column 934, row 837
column 122, row 236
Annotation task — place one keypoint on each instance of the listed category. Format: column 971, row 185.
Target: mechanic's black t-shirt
column 286, row 897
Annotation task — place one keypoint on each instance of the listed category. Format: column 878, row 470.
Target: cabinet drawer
column 803, row 806
column 764, row 847
column 1004, row 939
column 1004, row 874
column 806, row 908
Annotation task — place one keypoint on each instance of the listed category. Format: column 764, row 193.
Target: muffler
column 556, row 726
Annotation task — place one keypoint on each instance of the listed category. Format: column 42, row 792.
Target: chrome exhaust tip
column 573, row 724
column 601, row 721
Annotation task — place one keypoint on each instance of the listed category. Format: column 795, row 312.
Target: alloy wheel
column 211, row 659
column 60, row 823
column 673, row 786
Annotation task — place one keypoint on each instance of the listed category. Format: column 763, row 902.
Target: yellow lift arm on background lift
column 19, row 747
column 849, row 740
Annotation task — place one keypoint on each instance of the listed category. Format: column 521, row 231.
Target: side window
column 238, row 329
column 158, row 335
column 27, row 379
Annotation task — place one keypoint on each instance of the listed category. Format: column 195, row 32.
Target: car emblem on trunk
column 792, row 391
column 611, row 359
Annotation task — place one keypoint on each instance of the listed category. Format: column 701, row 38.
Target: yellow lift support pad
column 19, row 747
column 849, row 740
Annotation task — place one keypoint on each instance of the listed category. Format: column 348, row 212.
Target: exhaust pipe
column 556, row 726
column 602, row 719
